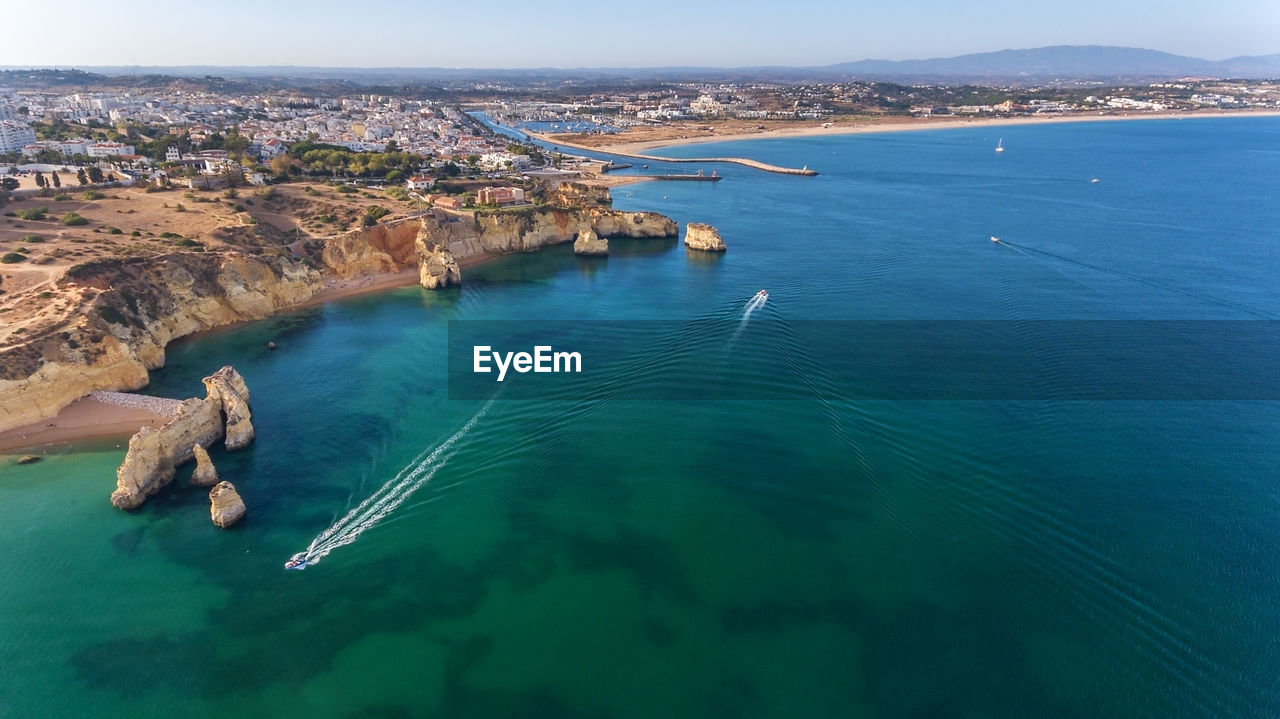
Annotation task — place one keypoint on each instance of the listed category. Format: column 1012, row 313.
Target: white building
column 109, row 149
column 172, row 154
column 14, row 135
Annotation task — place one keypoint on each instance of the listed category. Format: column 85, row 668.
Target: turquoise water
column 700, row 558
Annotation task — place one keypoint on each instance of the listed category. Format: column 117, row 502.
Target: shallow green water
column 698, row 558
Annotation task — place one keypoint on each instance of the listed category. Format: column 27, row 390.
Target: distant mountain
column 1056, row 64
column 1063, row 62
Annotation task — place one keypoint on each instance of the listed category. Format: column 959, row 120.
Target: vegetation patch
column 11, row 257
column 74, row 219
column 33, row 213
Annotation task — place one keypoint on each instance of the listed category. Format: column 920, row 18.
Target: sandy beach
column 86, row 418
column 619, row 143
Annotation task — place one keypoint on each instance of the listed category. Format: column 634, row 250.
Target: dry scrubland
column 129, row 222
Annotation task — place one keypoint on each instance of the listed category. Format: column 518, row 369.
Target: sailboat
column 1000, row 145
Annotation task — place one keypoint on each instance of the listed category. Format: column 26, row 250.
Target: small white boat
column 297, row 561
column 995, row 239
column 1000, row 145
column 762, row 295
column 1094, row 181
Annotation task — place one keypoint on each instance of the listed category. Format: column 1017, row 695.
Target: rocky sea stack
column 225, row 505
column 589, row 244
column 155, row 454
column 699, row 236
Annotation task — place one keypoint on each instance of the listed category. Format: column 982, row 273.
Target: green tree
column 95, row 174
column 9, row 183
column 391, row 147
column 40, row 181
column 57, row 181
column 82, row 178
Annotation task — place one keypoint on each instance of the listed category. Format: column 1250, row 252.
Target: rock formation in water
column 155, row 454
column 590, row 244
column 699, row 236
column 228, row 387
column 205, row 475
column 225, row 505
column 133, row 308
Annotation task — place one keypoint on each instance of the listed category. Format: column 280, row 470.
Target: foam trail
column 756, row 302
column 389, row 496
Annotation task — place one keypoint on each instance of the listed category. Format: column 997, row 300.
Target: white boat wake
column 756, row 302
column 384, row 501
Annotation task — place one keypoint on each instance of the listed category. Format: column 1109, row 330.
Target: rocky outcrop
column 699, row 236
column 590, row 244
column 205, row 474
column 437, row 267
column 132, row 309
column 155, row 454
column 225, row 505
column 389, row 247
column 228, row 387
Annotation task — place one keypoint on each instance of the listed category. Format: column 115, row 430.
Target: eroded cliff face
column 435, row 242
column 374, row 250
column 155, row 454
column 130, row 310
column 507, row 232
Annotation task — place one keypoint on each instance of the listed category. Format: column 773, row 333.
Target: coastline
column 86, row 418
column 879, row 126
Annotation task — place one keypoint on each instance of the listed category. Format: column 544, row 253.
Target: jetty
column 656, row 158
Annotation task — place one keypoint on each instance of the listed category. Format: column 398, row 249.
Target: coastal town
column 192, row 135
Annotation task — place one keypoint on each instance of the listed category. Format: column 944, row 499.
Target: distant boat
column 995, row 239
column 1000, row 145
column 1094, row 180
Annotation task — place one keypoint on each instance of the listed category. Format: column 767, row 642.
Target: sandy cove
column 86, row 418
column 888, row 125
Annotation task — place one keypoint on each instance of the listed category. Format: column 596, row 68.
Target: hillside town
column 196, row 136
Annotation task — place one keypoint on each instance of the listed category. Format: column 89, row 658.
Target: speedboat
column 762, row 295
column 297, row 561
column 995, row 239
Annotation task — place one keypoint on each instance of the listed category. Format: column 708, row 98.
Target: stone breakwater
column 746, row 162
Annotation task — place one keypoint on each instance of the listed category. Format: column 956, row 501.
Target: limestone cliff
column 225, row 505
column 699, row 236
column 588, row 243
column 154, row 454
column 440, row 239
column 130, row 310
column 578, row 194
column 373, row 250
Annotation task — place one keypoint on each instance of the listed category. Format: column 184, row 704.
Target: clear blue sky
column 643, row 33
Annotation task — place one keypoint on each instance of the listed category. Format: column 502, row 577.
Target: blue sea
column 624, row 557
